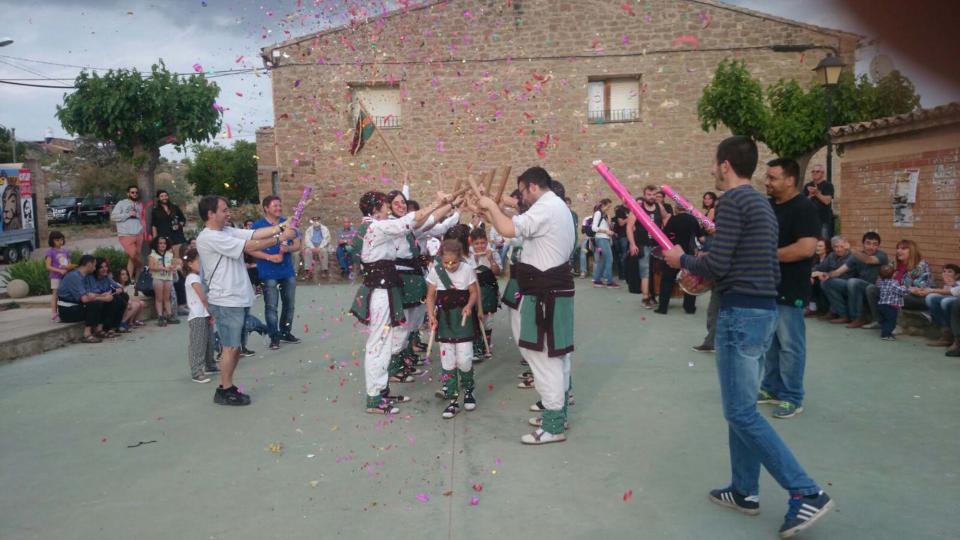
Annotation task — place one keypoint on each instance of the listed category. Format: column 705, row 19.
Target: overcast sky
column 222, row 34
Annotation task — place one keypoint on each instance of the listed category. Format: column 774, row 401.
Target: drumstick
column 433, row 333
column 488, row 181
column 483, row 331
column 463, row 320
column 503, row 183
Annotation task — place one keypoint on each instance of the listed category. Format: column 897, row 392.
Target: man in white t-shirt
column 229, row 290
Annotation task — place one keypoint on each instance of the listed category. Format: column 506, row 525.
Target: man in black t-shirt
column 682, row 229
column 642, row 243
column 820, row 193
column 798, row 229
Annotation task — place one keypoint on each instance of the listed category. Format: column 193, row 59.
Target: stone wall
column 526, row 103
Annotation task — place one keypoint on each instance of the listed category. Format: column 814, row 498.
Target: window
column 382, row 102
column 615, row 99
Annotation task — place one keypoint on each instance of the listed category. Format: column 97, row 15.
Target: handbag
column 145, row 282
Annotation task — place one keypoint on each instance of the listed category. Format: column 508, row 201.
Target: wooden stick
column 473, row 186
column 463, row 320
column 488, row 181
column 483, row 331
column 382, row 138
column 433, row 333
column 503, row 183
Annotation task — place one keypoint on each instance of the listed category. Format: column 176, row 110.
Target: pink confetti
column 628, row 9
column 474, row 501
column 218, row 107
column 687, row 40
column 423, row 497
column 306, row 329
column 478, row 487
column 440, row 146
column 238, row 60
column 198, row 68
column 229, row 135
column 296, row 84
column 239, row 94
column 103, row 439
column 627, row 495
column 467, row 14
column 625, row 40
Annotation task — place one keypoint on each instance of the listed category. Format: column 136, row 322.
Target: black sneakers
column 275, row 344
column 289, row 338
column 727, row 497
column 230, row 396
column 245, row 352
column 469, row 402
column 804, row 512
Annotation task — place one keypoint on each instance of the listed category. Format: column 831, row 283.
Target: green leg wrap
column 396, row 364
column 374, row 401
column 466, row 380
column 448, row 378
column 553, row 421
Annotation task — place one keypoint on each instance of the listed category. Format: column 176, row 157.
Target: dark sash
column 545, row 287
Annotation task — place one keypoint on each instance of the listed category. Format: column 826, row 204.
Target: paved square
column 880, row 433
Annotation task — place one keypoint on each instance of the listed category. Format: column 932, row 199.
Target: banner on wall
column 10, row 200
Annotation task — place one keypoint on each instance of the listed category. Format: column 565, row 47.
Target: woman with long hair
column 603, row 256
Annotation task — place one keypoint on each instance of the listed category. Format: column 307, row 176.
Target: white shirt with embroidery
column 380, row 241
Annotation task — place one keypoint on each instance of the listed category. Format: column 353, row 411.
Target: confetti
column 198, row 68
column 628, row 495
column 474, row 501
column 478, row 487
column 628, row 9
column 423, row 497
column 275, row 448
column 687, row 40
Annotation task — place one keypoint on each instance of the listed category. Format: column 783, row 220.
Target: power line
column 37, row 85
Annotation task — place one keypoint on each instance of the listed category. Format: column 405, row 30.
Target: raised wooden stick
column 382, row 138
column 473, row 186
column 505, row 176
column 433, row 333
column 488, row 181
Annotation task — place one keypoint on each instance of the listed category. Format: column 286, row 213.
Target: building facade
column 461, row 87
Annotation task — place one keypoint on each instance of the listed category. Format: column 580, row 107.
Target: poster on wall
column 10, row 200
column 26, row 198
column 905, row 185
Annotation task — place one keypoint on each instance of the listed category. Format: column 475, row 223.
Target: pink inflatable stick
column 632, row 204
column 704, row 220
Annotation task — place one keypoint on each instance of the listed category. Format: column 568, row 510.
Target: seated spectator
column 77, row 304
column 345, row 247
column 912, row 272
column 848, row 295
column 939, row 300
column 134, row 303
column 837, row 257
column 954, row 316
column 316, row 241
column 818, row 302
column 100, row 282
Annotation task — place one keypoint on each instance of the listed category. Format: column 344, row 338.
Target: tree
column 229, row 172
column 791, row 118
column 6, row 147
column 139, row 115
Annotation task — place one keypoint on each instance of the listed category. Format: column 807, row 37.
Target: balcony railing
column 613, row 115
column 388, row 122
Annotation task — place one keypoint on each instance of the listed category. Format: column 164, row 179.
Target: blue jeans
column 787, row 356
column 888, row 319
column 343, row 258
column 847, row 296
column 602, row 261
column 621, row 248
column 743, row 336
column 939, row 307
column 275, row 290
column 583, row 254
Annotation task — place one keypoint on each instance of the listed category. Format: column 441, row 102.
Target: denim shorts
column 229, row 323
column 645, row 261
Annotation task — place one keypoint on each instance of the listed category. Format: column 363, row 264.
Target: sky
column 55, row 39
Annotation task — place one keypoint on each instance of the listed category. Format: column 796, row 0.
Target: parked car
column 70, row 209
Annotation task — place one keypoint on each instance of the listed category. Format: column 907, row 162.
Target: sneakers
column 172, row 319
column 452, row 409
column 202, row 379
column 209, row 370
column 804, row 512
column 275, row 344
column 728, row 498
column 289, row 338
column 245, row 352
column 648, row 303
column 161, row 321
column 598, row 284
column 703, row 348
column 542, row 437
column 469, row 402
column 538, row 407
column 871, row 325
column 230, row 396
column 787, row 410
column 888, row 338
column 613, row 285
column 767, row 398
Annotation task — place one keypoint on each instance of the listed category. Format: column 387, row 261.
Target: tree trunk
column 146, row 160
column 803, row 161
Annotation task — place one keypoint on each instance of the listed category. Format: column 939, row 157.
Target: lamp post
column 13, row 132
column 828, row 74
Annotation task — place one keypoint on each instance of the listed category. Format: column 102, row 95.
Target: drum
column 693, row 284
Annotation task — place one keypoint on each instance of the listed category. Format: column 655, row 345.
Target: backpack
column 587, row 227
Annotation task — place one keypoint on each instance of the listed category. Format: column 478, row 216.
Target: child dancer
column 451, row 295
column 164, row 273
column 486, row 262
column 890, row 302
column 200, row 349
column 57, row 260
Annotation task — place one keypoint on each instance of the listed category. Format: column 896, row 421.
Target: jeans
column 743, row 336
column 343, row 258
column 621, row 248
column 847, row 297
column 954, row 316
column 713, row 309
column 939, row 306
column 888, row 319
column 787, row 356
column 667, row 281
column 602, row 261
column 583, row 254
column 275, row 290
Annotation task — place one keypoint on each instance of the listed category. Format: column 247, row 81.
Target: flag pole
column 382, row 138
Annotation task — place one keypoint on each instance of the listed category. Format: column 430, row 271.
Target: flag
column 362, row 132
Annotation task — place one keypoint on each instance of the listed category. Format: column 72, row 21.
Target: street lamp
column 828, row 75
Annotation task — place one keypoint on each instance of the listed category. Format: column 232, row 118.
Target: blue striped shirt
column 743, row 258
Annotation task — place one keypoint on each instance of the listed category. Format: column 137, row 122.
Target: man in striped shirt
column 743, row 263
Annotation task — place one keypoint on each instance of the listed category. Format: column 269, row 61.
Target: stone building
column 460, row 87
column 900, row 179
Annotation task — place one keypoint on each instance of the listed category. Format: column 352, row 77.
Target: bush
column 32, row 272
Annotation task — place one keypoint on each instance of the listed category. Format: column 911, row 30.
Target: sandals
column 90, row 339
column 525, row 375
column 442, row 394
column 390, row 400
column 138, row 324
column 542, row 437
column 402, row 378
column 526, row 384
column 383, row 410
column 538, row 407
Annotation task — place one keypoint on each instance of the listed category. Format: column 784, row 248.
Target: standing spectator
column 939, row 301
column 682, row 230
column 848, row 295
column 345, row 247
column 798, row 226
column 75, row 303
column 168, row 221
column 229, row 292
column 642, row 242
column 820, row 193
column 315, row 242
column 504, row 247
column 710, row 211
column 100, row 282
column 57, row 261
column 163, row 268
column 744, row 264
column 200, row 345
column 621, row 245
column 586, row 246
column 276, row 271
column 127, row 214
column 713, row 306
column 890, row 301
column 603, row 254
column 660, row 197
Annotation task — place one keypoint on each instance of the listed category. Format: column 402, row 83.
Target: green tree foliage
column 140, row 114
column 6, row 148
column 790, row 117
column 229, row 172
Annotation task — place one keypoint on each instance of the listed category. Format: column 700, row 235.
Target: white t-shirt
column 546, row 230
column 229, row 285
column 461, row 279
column 193, row 299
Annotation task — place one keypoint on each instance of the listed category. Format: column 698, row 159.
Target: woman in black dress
column 168, row 220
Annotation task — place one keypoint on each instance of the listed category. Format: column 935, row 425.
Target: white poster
column 905, row 185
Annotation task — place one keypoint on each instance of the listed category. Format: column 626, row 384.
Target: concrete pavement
column 647, row 441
